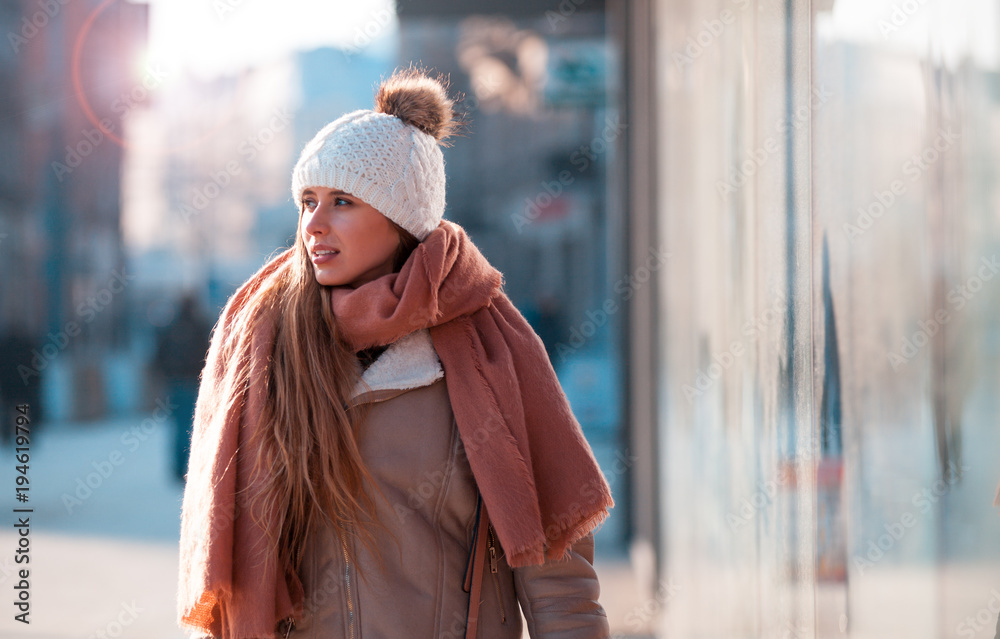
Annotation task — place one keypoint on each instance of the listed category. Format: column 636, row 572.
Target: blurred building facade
column 70, row 83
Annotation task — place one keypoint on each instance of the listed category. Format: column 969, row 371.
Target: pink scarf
column 536, row 472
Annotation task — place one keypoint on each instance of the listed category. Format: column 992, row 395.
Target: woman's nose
column 315, row 224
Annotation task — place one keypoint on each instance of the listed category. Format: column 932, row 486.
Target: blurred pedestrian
column 181, row 346
column 20, row 382
column 379, row 430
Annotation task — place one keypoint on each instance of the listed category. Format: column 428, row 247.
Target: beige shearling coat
column 412, row 447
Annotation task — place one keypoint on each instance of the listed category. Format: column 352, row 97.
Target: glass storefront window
column 826, row 381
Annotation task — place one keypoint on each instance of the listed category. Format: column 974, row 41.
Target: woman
column 381, row 446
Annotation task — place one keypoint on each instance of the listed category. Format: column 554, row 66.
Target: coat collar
column 409, row 362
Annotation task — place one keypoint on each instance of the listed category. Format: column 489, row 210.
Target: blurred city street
column 97, row 554
column 759, row 242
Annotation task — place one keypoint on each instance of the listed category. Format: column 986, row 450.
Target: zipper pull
column 494, row 565
column 289, row 624
column 493, row 553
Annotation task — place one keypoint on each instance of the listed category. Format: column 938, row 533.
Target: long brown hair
column 310, row 466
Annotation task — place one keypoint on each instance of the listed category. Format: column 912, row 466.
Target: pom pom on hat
column 389, row 157
column 418, row 101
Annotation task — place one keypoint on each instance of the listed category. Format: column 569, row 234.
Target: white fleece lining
column 409, row 362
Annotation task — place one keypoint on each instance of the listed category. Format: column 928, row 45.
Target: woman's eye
column 338, row 201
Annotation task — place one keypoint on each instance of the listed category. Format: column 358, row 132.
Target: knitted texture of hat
column 389, row 164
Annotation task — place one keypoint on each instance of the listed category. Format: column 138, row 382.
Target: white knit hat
column 390, row 157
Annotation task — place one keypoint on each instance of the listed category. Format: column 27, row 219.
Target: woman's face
column 348, row 241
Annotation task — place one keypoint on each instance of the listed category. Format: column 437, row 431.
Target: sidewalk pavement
column 104, row 530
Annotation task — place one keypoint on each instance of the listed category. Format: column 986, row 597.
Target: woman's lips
column 323, row 257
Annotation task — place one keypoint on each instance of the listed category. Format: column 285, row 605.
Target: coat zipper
column 494, row 561
column 347, row 579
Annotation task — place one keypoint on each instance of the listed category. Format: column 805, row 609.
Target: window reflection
column 829, row 470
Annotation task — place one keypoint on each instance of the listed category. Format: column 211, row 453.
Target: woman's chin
column 329, row 279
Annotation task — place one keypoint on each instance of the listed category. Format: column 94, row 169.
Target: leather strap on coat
column 476, row 561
